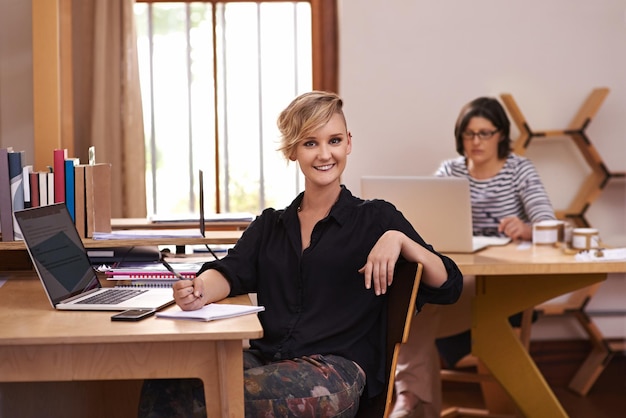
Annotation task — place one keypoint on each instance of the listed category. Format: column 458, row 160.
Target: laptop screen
column 57, row 251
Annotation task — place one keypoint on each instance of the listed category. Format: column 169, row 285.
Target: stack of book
column 84, row 188
column 151, row 274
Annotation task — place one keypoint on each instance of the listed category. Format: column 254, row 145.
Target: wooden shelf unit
column 595, row 182
column 14, row 257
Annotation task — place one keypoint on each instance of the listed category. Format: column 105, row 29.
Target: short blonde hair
column 304, row 115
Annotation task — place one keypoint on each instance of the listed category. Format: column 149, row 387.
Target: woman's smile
column 325, row 167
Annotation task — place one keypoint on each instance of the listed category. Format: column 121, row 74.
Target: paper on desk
column 211, row 217
column 211, row 312
column 147, row 233
column 613, row 254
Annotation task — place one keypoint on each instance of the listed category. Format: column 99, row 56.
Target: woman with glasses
column 507, row 196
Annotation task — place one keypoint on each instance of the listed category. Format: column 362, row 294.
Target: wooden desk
column 510, row 280
column 38, row 343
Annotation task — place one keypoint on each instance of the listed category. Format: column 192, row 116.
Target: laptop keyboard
column 112, row 296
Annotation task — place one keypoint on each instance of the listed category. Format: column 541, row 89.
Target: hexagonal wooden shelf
column 592, row 186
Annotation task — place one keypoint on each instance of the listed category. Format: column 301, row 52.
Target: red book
column 59, row 175
column 34, row 189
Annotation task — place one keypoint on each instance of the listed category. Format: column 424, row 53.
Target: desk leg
column 230, row 369
column 497, row 346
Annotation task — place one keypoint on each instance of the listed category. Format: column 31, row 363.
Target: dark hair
column 488, row 108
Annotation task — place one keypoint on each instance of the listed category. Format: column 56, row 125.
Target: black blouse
column 316, row 301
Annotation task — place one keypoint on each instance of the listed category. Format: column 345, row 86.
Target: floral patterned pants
column 306, row 387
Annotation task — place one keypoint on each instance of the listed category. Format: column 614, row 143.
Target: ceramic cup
column 548, row 232
column 585, row 238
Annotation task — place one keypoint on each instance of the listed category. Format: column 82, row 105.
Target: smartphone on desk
column 133, row 315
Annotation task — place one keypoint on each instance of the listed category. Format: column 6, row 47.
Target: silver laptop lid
column 439, row 208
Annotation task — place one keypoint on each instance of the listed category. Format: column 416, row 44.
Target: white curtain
column 107, row 98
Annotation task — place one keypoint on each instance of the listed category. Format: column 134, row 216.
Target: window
column 214, row 76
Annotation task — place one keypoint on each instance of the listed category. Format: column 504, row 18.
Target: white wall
column 407, row 67
column 16, row 76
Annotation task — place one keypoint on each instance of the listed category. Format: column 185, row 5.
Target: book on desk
column 210, row 312
column 151, row 274
column 133, row 253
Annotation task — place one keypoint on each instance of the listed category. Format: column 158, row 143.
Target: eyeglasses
column 482, row 135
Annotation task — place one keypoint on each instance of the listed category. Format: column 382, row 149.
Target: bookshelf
column 213, row 237
column 592, row 186
column 14, row 257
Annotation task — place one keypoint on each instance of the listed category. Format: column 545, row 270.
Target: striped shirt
column 515, row 191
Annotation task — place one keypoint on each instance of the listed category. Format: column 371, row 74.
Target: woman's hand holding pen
column 186, row 293
column 514, row 228
column 189, row 294
column 209, row 286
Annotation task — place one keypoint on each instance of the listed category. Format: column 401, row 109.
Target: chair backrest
column 402, row 295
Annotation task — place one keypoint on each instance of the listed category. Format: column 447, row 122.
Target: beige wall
column 16, row 77
column 408, row 66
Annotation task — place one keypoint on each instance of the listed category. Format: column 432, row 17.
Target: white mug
column 585, row 238
column 548, row 232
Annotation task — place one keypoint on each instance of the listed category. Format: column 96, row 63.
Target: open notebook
column 439, row 208
column 68, row 278
column 211, row 312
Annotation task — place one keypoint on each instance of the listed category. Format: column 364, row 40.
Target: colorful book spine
column 148, row 283
column 34, row 189
column 50, row 184
column 148, row 276
column 6, row 209
column 70, row 190
column 43, row 188
column 79, row 200
column 151, row 271
column 59, row 157
column 26, row 172
column 17, row 189
column 97, row 198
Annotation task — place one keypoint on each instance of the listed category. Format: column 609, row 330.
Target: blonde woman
column 321, row 267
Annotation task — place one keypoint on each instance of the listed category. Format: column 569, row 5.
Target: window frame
column 324, row 26
column 324, row 50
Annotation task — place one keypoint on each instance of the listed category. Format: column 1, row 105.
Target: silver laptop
column 439, row 209
column 68, row 278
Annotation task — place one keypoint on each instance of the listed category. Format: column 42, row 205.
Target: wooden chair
column 401, row 310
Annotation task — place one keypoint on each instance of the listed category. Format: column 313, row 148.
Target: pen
column 171, row 269
column 177, row 274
